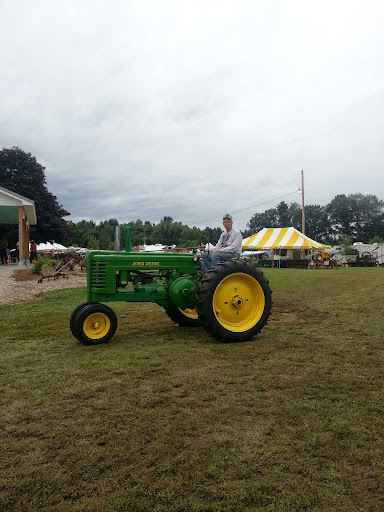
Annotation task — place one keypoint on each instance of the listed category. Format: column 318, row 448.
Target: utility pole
column 302, row 204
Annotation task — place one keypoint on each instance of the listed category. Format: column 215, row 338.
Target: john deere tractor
column 232, row 302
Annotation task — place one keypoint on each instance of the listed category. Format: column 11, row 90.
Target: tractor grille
column 98, row 278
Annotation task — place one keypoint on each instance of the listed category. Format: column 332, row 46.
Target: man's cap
column 227, row 216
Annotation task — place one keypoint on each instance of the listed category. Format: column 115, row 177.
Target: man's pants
column 211, row 259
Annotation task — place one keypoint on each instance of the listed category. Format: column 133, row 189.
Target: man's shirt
column 230, row 241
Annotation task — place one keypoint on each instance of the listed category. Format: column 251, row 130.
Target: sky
column 195, row 108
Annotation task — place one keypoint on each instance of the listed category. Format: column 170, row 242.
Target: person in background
column 228, row 246
column 3, row 250
column 33, row 251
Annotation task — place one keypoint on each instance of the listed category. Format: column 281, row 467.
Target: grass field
column 167, row 419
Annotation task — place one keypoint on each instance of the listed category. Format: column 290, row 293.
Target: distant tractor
column 325, row 255
column 232, row 302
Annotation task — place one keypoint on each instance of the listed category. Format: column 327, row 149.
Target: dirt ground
column 20, row 285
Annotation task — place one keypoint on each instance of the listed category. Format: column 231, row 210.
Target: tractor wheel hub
column 237, row 302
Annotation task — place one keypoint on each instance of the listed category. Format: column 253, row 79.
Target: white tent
column 280, row 238
column 45, row 247
column 49, row 247
column 244, row 254
column 58, row 247
column 154, row 248
column 80, row 250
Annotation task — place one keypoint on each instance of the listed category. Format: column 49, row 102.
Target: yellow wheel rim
column 96, row 326
column 238, row 302
column 189, row 313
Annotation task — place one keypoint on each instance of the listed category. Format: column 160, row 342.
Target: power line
column 248, row 207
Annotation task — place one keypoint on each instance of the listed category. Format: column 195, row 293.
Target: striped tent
column 280, row 238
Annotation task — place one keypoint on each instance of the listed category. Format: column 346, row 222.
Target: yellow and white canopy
column 280, row 238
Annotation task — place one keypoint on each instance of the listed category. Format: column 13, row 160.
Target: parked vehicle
column 365, row 259
column 379, row 254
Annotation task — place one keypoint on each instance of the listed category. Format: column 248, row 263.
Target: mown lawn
column 167, row 419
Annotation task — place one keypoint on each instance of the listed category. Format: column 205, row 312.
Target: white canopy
column 48, row 247
column 81, row 250
column 58, row 247
column 154, row 248
column 44, row 247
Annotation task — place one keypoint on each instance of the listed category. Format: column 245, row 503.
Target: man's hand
column 217, row 250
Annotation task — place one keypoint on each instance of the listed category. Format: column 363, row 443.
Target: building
column 18, row 210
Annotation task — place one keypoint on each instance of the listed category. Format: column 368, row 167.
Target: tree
column 346, row 245
column 22, row 174
column 92, row 243
column 80, row 232
column 358, row 216
column 340, row 211
column 106, row 234
column 317, row 222
column 376, row 240
column 282, row 216
column 268, row 219
column 167, row 232
column 366, row 208
column 141, row 233
column 295, row 216
column 211, row 235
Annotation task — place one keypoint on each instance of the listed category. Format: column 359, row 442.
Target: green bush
column 42, row 263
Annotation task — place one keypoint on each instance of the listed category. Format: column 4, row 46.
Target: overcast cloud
column 140, row 109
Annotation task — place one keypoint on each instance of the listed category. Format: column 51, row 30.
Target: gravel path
column 13, row 291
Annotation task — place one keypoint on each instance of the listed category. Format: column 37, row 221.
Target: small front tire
column 73, row 316
column 94, row 324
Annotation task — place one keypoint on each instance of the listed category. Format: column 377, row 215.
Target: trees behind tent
column 22, row 174
column 357, row 216
column 280, row 216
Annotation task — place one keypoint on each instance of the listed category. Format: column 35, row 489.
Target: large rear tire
column 94, row 324
column 185, row 317
column 234, row 301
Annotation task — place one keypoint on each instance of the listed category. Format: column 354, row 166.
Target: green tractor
column 232, row 302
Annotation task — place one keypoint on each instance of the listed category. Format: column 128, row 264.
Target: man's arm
column 218, row 245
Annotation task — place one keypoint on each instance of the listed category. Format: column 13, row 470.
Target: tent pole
column 302, row 204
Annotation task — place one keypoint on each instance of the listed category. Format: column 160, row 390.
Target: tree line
column 357, row 217
column 168, row 232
